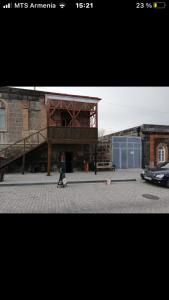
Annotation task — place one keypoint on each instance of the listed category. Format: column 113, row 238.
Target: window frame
column 5, row 107
column 161, row 154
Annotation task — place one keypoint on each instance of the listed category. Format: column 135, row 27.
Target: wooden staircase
column 22, row 147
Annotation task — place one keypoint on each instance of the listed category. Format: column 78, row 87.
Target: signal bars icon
column 7, row 5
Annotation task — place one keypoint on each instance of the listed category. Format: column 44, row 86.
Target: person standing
column 2, row 170
column 62, row 177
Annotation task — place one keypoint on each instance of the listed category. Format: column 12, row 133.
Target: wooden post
column 23, row 160
column 38, row 137
column 97, row 116
column 95, row 160
column 49, row 158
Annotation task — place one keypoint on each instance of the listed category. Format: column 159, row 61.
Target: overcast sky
column 124, row 107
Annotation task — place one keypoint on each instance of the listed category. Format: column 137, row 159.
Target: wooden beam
column 95, row 160
column 73, row 141
column 49, row 158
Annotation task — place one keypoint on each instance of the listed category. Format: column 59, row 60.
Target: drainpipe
column 138, row 131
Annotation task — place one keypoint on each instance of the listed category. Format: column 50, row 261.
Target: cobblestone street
column 119, row 197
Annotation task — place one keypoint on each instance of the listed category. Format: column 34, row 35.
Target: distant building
column 149, row 148
column 36, row 127
column 104, row 153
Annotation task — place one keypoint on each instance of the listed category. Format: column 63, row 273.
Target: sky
column 124, row 107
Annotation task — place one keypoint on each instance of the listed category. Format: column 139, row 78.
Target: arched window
column 161, row 154
column 2, row 116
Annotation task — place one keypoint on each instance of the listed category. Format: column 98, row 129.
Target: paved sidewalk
column 76, row 177
column 118, row 197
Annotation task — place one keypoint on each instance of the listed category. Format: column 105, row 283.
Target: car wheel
column 167, row 183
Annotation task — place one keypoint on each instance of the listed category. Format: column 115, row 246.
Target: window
column 161, row 154
column 2, row 118
column 165, row 166
column 3, row 115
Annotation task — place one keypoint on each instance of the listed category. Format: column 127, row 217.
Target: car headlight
column 160, row 176
column 143, row 172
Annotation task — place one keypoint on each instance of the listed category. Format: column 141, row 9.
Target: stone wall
column 25, row 115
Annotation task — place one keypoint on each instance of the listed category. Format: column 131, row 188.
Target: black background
column 113, row 44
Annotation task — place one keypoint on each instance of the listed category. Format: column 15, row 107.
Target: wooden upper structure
column 72, row 119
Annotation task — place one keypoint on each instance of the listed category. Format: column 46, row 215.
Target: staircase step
column 17, row 150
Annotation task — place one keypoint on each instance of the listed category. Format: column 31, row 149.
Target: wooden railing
column 22, row 147
column 72, row 135
column 51, row 134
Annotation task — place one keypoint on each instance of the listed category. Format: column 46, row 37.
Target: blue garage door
column 126, row 152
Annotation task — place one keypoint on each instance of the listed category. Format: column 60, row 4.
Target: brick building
column 154, row 139
column 36, row 127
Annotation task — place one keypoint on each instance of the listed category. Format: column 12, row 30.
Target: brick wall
column 155, row 140
column 161, row 142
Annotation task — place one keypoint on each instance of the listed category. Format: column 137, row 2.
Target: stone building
column 154, row 140
column 36, row 127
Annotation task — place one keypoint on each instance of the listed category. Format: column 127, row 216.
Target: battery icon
column 159, row 4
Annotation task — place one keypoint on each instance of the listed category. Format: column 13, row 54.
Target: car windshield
column 165, row 166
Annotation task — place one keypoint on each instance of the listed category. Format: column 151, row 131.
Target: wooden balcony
column 72, row 135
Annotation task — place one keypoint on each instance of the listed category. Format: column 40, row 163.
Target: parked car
column 159, row 174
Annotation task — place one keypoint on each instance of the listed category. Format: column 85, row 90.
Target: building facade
column 154, row 142
column 36, row 127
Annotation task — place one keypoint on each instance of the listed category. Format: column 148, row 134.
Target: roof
column 124, row 130
column 155, row 128
column 13, row 90
column 144, row 128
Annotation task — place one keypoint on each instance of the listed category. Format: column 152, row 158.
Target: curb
column 102, row 180
column 68, row 182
